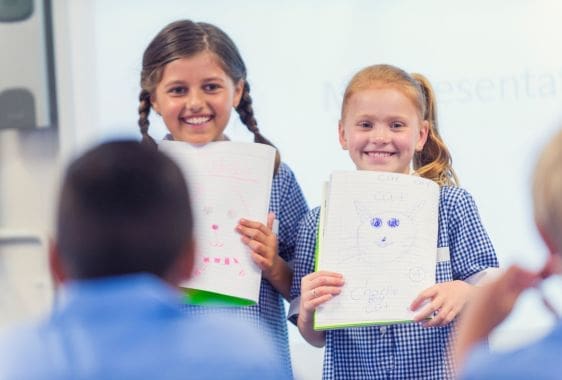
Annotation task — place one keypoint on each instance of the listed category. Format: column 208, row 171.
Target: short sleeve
column 304, row 256
column 290, row 208
column 469, row 244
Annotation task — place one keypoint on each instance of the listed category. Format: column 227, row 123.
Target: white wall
column 495, row 65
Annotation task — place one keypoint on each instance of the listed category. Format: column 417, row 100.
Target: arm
column 292, row 208
column 263, row 244
column 489, row 307
column 471, row 256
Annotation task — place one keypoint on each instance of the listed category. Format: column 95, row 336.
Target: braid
column 144, row 110
column 246, row 113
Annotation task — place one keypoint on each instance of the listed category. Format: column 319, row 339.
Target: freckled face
column 382, row 129
column 195, row 98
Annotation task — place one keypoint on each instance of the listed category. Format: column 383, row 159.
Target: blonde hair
column 547, row 187
column 434, row 160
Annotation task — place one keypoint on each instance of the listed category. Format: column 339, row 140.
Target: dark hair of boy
column 123, row 209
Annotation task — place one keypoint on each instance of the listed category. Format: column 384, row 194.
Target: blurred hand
column 490, row 305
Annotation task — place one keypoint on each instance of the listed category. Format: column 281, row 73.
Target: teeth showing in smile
column 379, row 154
column 197, row 120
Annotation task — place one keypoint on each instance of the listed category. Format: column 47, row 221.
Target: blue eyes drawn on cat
column 378, row 222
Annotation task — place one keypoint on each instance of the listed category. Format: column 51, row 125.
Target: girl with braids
column 388, row 123
column 193, row 76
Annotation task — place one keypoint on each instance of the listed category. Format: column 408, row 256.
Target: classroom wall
column 494, row 65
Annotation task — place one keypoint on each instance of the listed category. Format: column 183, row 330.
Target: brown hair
column 434, row 160
column 123, row 208
column 185, row 38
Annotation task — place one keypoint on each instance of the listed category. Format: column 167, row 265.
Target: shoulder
column 21, row 345
column 284, row 174
column 19, row 337
column 454, row 195
column 539, row 360
column 285, row 182
column 456, row 198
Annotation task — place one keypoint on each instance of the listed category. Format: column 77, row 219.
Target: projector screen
column 496, row 68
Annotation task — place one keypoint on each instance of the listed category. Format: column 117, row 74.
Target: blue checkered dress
column 288, row 203
column 403, row 351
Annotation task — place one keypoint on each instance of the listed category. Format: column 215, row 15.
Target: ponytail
column 434, row 160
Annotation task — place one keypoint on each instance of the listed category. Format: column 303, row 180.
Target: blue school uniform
column 288, row 203
column 403, row 351
column 131, row 327
column 538, row 360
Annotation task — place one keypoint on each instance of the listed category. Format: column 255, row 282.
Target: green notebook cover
column 205, row 298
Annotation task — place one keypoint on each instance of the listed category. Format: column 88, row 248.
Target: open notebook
column 227, row 181
column 380, row 231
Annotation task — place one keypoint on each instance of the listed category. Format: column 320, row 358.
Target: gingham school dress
column 288, row 203
column 403, row 351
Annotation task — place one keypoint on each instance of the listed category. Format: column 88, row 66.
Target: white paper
column 227, row 181
column 380, row 232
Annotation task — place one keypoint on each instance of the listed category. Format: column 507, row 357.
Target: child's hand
column 490, row 305
column 446, row 300
column 263, row 243
column 317, row 288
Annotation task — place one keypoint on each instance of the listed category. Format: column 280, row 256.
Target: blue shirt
column 132, row 327
column 288, row 203
column 540, row 360
column 404, row 351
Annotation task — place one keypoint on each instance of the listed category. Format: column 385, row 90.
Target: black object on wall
column 27, row 80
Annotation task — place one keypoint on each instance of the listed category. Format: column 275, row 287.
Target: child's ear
column 55, row 264
column 423, row 134
column 154, row 104
column 182, row 268
column 342, row 137
column 238, row 91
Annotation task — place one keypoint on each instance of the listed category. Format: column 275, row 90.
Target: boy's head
column 547, row 193
column 123, row 209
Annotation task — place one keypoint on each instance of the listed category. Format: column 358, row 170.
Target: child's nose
column 194, row 101
column 380, row 136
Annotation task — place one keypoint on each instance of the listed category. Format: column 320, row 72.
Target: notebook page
column 227, row 181
column 381, row 234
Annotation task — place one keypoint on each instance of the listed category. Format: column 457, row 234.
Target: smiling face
column 195, row 98
column 382, row 129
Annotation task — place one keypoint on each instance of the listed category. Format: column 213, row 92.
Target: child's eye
column 210, row 87
column 365, row 124
column 393, row 222
column 376, row 222
column 396, row 124
column 178, row 90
